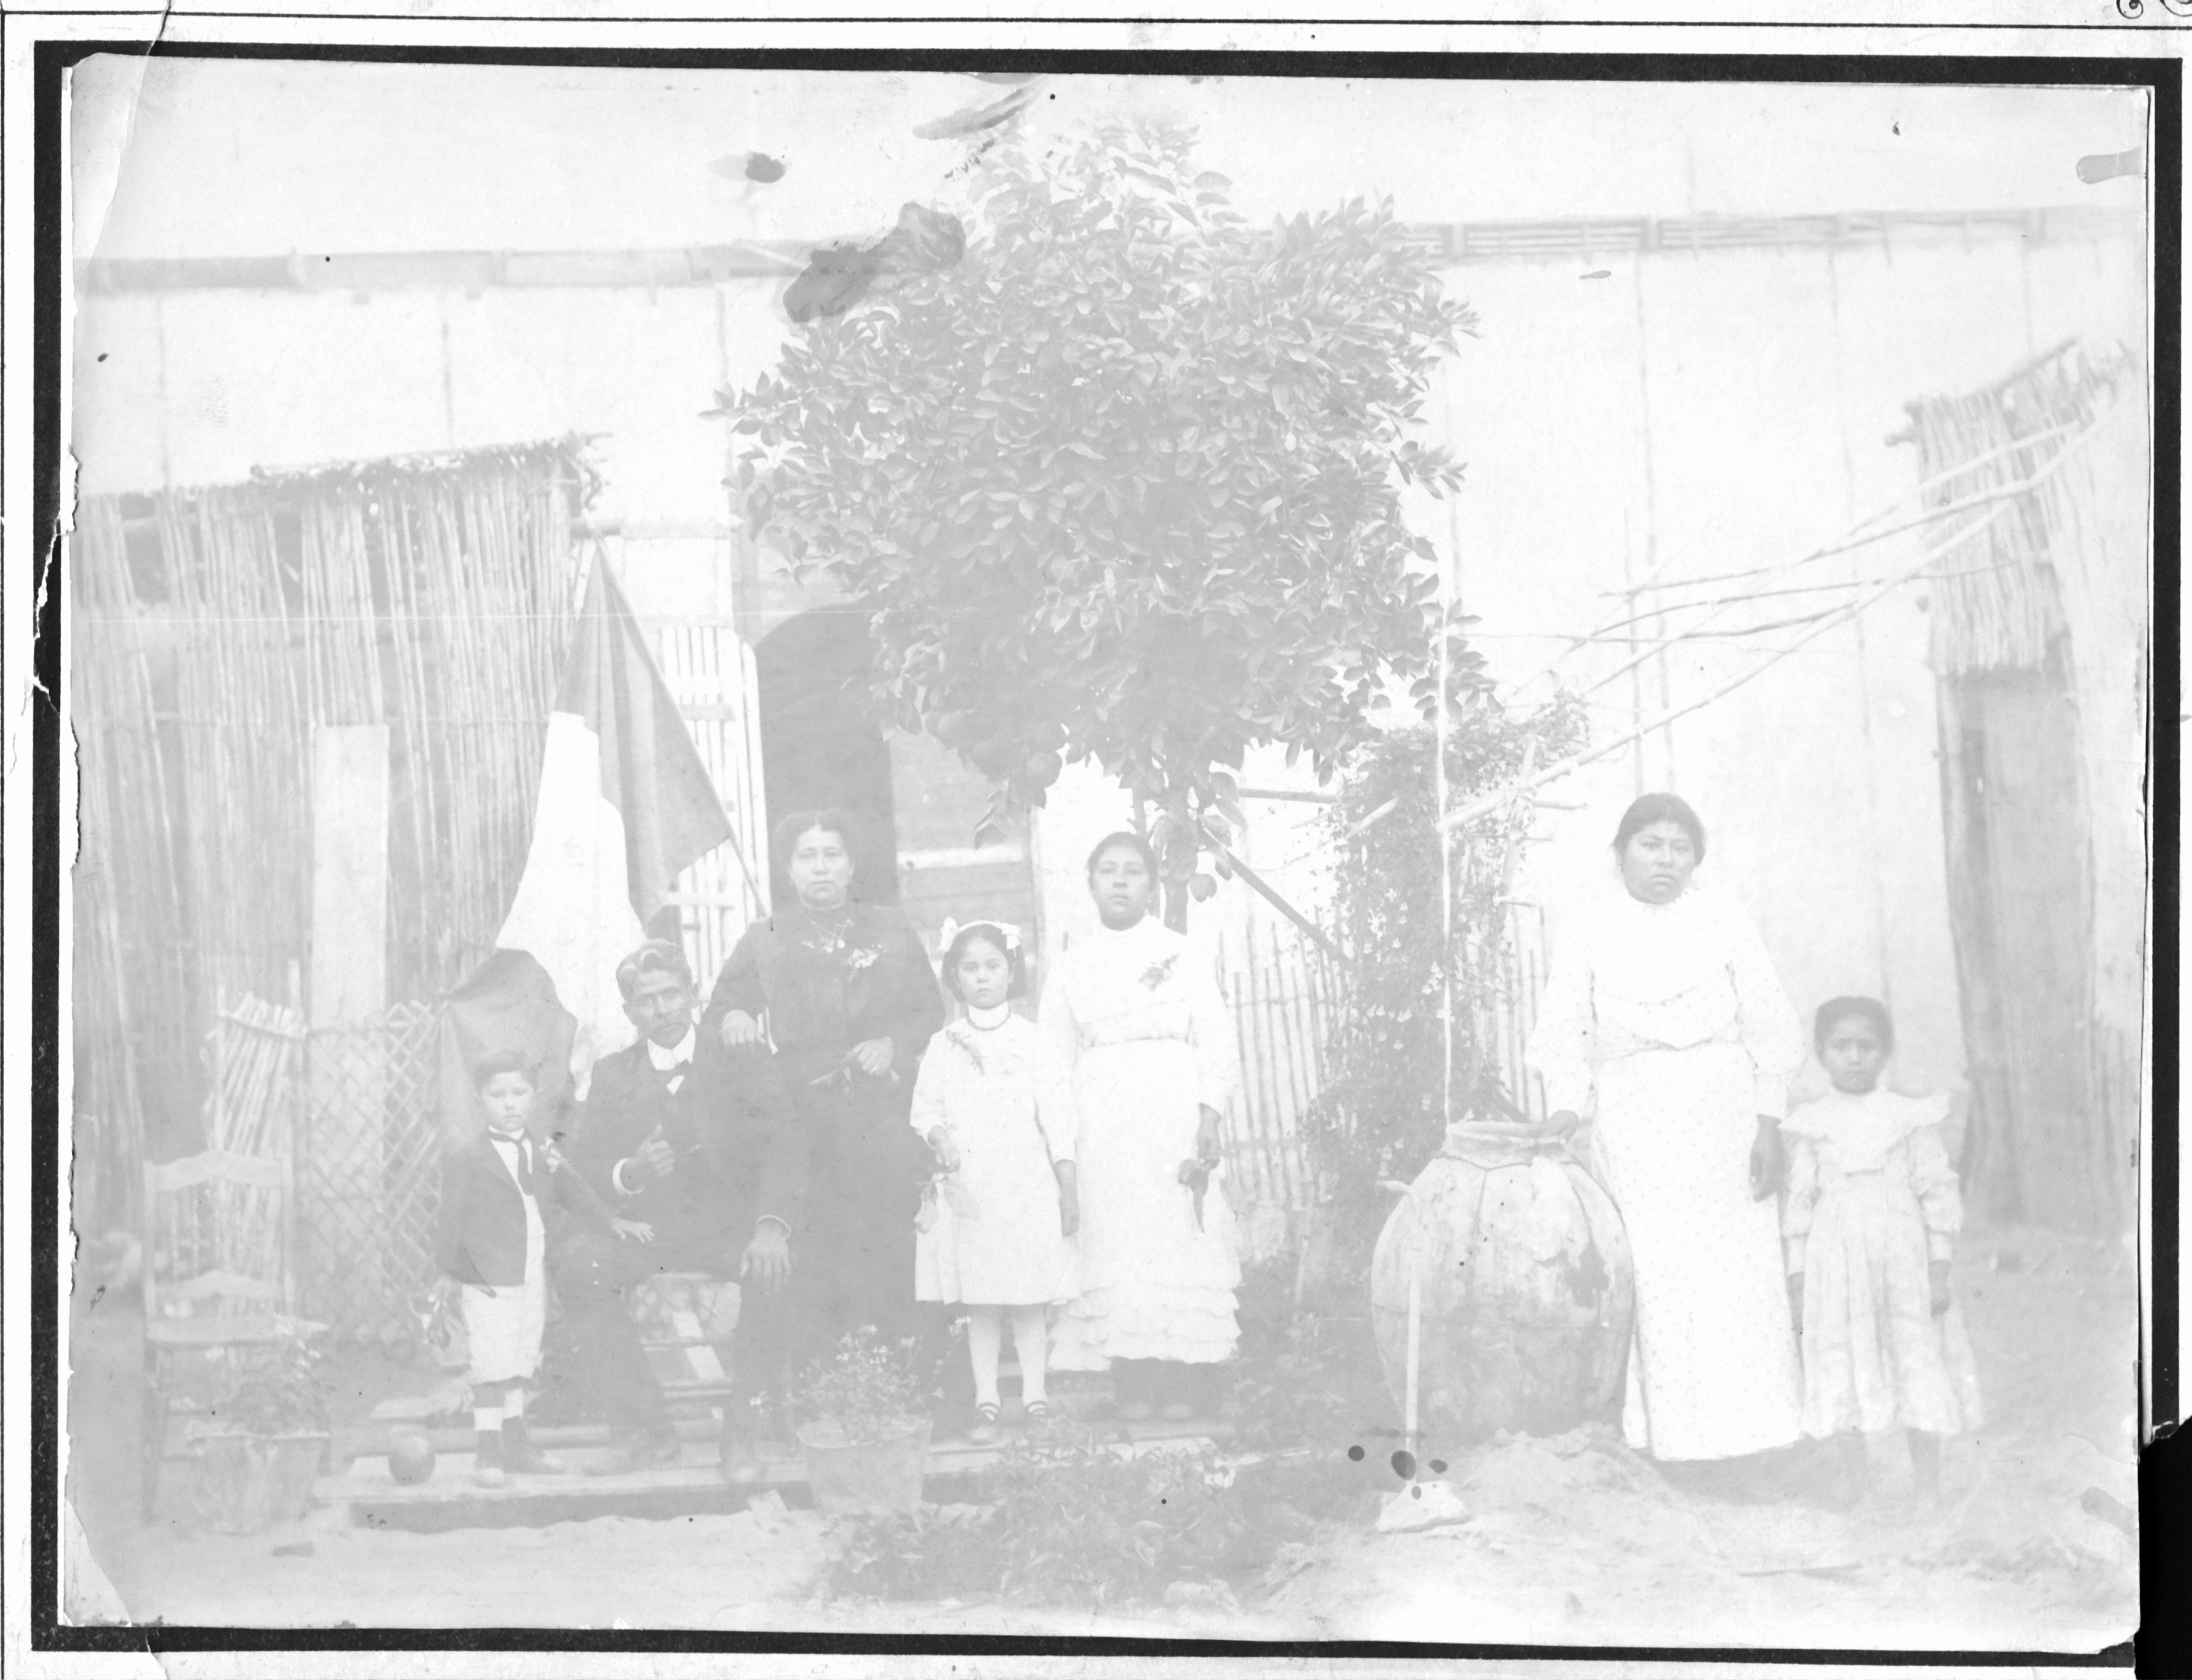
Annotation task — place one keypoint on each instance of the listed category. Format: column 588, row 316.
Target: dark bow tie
column 526, row 1172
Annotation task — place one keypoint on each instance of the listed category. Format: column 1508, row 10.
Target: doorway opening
column 823, row 744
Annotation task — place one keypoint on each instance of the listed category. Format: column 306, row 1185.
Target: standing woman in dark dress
column 852, row 1001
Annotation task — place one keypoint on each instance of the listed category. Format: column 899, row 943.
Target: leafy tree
column 1124, row 482
column 1394, row 1078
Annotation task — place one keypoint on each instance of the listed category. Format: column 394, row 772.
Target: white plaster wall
column 1773, row 383
column 1700, row 414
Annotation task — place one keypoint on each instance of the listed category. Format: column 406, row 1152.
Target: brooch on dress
column 973, row 1054
column 1157, row 974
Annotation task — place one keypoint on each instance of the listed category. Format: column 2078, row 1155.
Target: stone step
column 693, row 1485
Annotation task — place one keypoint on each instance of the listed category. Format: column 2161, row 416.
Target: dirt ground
column 1568, row 1540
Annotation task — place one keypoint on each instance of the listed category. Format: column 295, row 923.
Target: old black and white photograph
column 1335, row 852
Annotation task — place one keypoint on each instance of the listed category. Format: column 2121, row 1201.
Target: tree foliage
column 1124, row 483
column 1395, row 1081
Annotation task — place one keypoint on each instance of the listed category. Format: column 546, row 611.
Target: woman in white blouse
column 1663, row 1018
column 1139, row 1023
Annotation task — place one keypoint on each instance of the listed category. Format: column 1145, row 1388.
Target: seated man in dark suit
column 698, row 1142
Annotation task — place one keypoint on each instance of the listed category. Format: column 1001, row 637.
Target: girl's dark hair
column 1836, row 1010
column 1015, row 961
column 503, row 1061
column 1659, row 807
column 1133, row 841
column 784, row 837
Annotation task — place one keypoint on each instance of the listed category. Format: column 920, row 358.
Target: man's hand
column 740, row 1028
column 1561, row 1122
column 1936, row 1280
column 873, row 1057
column 1769, row 1159
column 768, row 1259
column 656, row 1155
column 632, row 1230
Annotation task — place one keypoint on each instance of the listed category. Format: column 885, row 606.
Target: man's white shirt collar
column 682, row 1051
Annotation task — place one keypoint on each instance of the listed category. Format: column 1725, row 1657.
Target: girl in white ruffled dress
column 1870, row 1225
column 993, row 1104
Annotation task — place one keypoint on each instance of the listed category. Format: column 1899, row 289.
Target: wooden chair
column 216, row 1276
column 686, row 1320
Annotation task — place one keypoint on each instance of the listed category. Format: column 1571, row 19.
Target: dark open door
column 2018, row 886
column 822, row 744
column 942, row 871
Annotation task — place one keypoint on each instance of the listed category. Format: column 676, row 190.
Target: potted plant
column 863, row 1433
column 263, row 1435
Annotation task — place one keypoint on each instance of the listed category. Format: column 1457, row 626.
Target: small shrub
column 1396, row 1077
column 867, row 1387
column 1065, row 1520
column 276, row 1388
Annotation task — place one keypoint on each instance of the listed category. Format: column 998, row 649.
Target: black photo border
column 2159, row 74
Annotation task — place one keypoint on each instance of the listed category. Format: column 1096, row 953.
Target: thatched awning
column 1997, row 603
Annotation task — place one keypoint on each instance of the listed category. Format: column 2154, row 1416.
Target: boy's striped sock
column 487, row 1444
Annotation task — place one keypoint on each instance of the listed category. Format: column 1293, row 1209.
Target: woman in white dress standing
column 992, row 1103
column 1139, row 1023
column 1664, row 1015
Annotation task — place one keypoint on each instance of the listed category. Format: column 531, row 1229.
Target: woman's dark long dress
column 829, row 982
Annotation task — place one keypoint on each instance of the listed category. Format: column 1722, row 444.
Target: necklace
column 998, row 1015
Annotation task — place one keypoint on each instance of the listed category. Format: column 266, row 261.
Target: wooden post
column 349, row 874
column 346, row 1076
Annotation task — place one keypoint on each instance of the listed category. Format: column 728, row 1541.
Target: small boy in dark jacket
column 505, row 1200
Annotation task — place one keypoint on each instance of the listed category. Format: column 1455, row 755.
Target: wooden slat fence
column 1285, row 996
column 1513, row 1015
column 713, row 676
column 1281, row 995
column 255, row 1061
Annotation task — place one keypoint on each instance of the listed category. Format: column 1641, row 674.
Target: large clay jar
column 1527, row 1296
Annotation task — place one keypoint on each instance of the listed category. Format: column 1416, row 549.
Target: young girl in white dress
column 993, row 1105
column 1137, row 1021
column 1870, row 1225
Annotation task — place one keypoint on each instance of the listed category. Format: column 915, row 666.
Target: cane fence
column 1280, row 996
column 216, row 630
column 255, row 1061
column 1285, row 999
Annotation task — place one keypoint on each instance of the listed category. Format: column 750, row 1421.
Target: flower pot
column 872, row 1478
column 244, row 1484
column 1526, row 1292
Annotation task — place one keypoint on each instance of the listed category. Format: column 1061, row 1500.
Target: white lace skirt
column 1154, row 1284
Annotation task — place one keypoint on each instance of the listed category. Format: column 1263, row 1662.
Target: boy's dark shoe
column 520, row 1457
column 647, row 1449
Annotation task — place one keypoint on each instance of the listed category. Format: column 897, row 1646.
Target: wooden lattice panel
column 368, row 1173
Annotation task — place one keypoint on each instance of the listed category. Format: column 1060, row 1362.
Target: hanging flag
column 625, row 806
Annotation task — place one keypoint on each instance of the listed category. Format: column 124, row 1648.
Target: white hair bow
column 952, row 930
